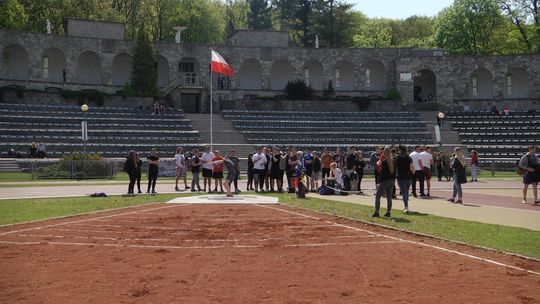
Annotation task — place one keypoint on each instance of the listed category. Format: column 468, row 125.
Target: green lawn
column 510, row 239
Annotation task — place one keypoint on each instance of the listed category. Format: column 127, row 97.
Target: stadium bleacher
column 497, row 136
column 336, row 128
column 112, row 131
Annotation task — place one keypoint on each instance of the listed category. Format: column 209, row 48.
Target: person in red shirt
column 474, row 166
column 217, row 172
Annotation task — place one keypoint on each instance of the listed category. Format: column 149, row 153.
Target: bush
column 77, row 166
column 128, row 90
column 298, row 90
column 329, row 91
column 393, row 94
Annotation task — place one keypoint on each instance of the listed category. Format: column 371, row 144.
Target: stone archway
column 313, row 74
column 89, row 69
column 249, row 75
column 517, row 83
column 280, row 75
column 343, row 76
column 481, row 84
column 425, row 86
column 375, row 76
column 14, row 62
column 121, row 69
column 53, row 65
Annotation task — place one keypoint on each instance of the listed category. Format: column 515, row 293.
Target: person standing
column 316, row 171
column 427, row 162
column 217, row 172
column 206, row 158
column 474, row 166
column 236, row 161
column 275, row 161
column 291, row 161
column 350, row 163
column 195, row 171
column 386, row 184
column 530, row 165
column 266, row 152
column 360, row 164
column 259, row 163
column 404, row 170
column 153, row 165
column 130, row 167
column 339, row 159
column 460, row 177
column 418, row 172
column 282, row 168
column 181, row 168
column 373, row 162
column 250, row 173
column 139, row 172
column 33, row 150
column 308, row 164
column 326, row 160
column 439, row 165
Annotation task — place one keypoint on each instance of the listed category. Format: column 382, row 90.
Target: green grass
column 516, row 240
column 23, row 210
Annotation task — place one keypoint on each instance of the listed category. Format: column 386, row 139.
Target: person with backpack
column 130, row 167
column 460, row 176
column 529, row 165
column 386, row 181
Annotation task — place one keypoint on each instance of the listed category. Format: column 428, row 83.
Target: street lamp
column 84, row 109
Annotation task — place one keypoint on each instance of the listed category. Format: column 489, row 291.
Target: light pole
column 440, row 121
column 84, row 109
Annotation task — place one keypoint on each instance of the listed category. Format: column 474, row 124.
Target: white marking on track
column 418, row 243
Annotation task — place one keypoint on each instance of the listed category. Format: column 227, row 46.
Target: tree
column 285, row 11
column 304, row 14
column 12, row 15
column 237, row 15
column 468, row 27
column 259, row 15
column 206, row 21
column 334, row 23
column 524, row 15
column 376, row 33
column 144, row 71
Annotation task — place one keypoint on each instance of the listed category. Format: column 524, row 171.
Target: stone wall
column 259, row 38
column 95, row 29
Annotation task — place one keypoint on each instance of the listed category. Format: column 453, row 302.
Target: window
column 509, row 84
column 306, row 76
column 368, row 78
column 475, row 85
column 336, row 80
column 45, row 67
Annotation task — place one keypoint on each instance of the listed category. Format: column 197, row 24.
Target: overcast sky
column 399, row 9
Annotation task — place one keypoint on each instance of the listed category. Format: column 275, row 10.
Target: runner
column 530, row 165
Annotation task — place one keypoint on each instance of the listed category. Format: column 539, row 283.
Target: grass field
column 510, row 239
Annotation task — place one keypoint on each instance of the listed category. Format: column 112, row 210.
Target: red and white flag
column 220, row 66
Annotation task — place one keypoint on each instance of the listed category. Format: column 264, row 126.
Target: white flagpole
column 211, row 105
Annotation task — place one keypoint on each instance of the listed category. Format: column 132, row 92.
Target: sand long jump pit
column 243, row 251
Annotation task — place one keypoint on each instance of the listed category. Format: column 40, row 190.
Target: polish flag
column 220, row 66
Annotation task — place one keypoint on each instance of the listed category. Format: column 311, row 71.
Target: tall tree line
column 466, row 27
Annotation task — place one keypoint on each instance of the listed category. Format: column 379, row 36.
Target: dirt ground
column 167, row 253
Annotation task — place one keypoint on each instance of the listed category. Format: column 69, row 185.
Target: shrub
column 329, row 91
column 393, row 94
column 298, row 90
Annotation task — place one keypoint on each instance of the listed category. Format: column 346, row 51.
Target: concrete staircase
column 225, row 136
column 9, row 165
column 449, row 138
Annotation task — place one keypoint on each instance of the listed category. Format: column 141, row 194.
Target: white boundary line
column 417, row 243
column 91, row 219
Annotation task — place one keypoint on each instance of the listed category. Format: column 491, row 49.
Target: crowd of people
column 327, row 173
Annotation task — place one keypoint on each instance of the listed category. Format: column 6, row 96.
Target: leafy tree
column 206, row 21
column 12, row 15
column 524, row 15
column 415, row 31
column 334, row 23
column 285, row 12
column 237, row 15
column 376, row 33
column 304, row 15
column 468, row 27
column 144, row 75
column 259, row 16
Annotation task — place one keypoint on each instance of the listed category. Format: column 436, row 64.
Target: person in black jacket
column 139, row 172
column 359, row 165
column 386, row 182
column 130, row 167
column 405, row 171
column 460, row 177
column 153, row 162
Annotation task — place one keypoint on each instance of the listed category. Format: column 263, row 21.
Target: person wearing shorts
column 206, row 158
column 259, row 163
column 326, row 160
column 232, row 173
column 530, row 164
column 217, row 172
column 181, row 167
column 316, row 171
column 427, row 163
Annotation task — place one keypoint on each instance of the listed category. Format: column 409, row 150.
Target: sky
column 399, row 9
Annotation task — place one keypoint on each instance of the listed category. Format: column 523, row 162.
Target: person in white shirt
column 259, row 170
column 206, row 160
column 418, row 172
column 336, row 176
column 181, row 167
column 427, row 162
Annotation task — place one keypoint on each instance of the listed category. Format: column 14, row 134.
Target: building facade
column 94, row 55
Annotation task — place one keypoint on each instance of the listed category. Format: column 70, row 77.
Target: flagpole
column 211, row 105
